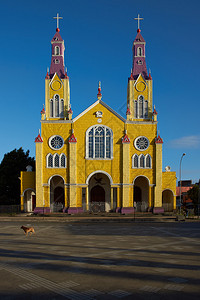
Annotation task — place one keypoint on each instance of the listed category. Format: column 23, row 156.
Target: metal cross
column 138, row 18
column 58, row 19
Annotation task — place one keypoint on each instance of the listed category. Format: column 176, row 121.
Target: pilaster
column 39, row 170
column 126, row 175
column 158, row 186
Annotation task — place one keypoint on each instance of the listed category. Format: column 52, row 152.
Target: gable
column 99, row 105
column 56, row 86
column 141, row 87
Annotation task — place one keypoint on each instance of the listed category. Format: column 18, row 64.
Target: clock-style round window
column 141, row 143
column 56, row 142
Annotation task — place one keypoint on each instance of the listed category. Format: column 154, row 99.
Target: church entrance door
column 99, row 193
column 57, row 195
column 141, row 193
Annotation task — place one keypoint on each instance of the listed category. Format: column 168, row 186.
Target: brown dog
column 28, row 230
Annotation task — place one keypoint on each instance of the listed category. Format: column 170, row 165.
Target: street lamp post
column 180, row 178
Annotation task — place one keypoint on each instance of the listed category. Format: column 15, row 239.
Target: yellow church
column 98, row 161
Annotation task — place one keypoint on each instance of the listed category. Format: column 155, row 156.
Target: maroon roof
column 139, row 38
column 57, row 37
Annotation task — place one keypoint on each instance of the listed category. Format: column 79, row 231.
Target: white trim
column 55, row 50
column 87, row 143
column 133, row 157
column 49, row 180
column 99, row 171
column 47, row 158
column 141, row 136
column 145, row 158
column 53, row 161
column 141, row 176
column 103, row 104
column 28, row 189
column 53, row 78
column 139, row 49
column 49, row 142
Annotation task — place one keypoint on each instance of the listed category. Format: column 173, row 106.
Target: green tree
column 193, row 193
column 10, row 167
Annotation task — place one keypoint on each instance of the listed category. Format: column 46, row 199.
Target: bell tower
column 57, row 92
column 139, row 91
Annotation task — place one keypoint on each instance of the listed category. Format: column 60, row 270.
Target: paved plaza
column 85, row 261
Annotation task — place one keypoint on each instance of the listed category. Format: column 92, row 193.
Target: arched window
column 148, row 161
column 139, row 51
column 62, row 108
column 135, row 161
column 99, row 142
column 141, row 161
column 62, row 161
column 56, row 107
column 49, row 160
column 141, row 108
column 56, row 161
column 51, row 108
column 56, row 97
column 57, row 50
column 136, row 109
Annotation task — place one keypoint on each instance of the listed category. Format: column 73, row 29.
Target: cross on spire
column 57, row 17
column 138, row 19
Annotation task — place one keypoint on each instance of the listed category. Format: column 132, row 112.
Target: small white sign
column 99, row 114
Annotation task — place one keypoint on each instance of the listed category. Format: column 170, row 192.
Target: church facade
column 98, row 161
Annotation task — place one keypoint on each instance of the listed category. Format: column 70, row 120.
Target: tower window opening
column 56, row 106
column 139, row 51
column 141, row 108
column 57, row 61
column 139, row 62
column 57, row 50
column 51, row 108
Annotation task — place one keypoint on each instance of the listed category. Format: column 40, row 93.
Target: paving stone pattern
column 100, row 261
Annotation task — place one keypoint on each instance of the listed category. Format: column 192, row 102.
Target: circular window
column 56, row 142
column 141, row 143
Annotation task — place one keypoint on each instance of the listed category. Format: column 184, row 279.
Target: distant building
column 186, row 185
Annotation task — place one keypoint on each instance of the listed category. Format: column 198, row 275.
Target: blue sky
column 98, row 39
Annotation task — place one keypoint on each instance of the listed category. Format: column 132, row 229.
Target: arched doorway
column 167, row 200
column 29, row 200
column 57, row 194
column 141, row 193
column 99, row 193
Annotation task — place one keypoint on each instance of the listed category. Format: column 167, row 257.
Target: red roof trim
column 155, row 112
column 38, row 139
column 128, row 111
column 70, row 111
column 72, row 139
column 159, row 140
column 43, row 111
column 125, row 139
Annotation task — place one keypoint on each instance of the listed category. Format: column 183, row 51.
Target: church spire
column 139, row 62
column 57, row 53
